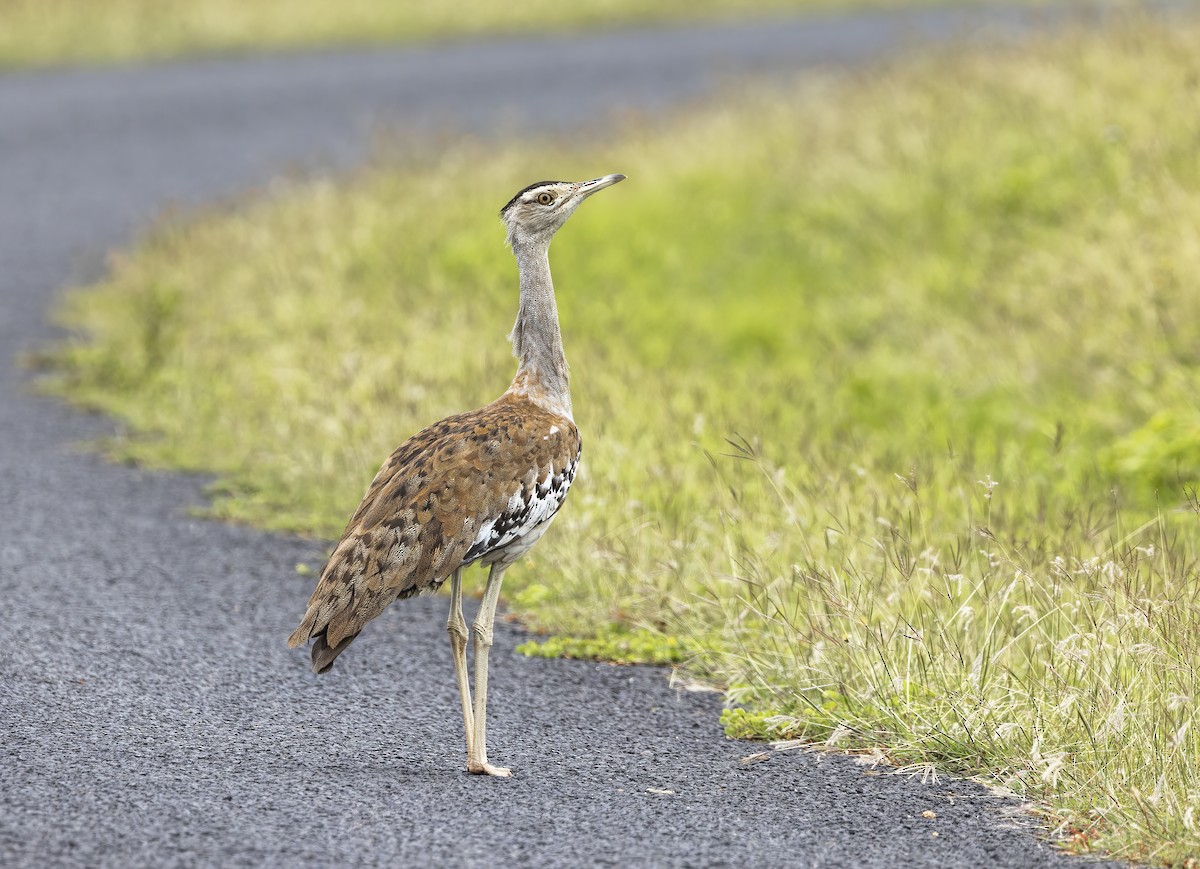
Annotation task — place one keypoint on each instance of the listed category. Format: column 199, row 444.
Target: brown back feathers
column 458, row 491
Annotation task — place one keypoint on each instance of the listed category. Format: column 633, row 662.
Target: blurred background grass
column 44, row 32
column 887, row 385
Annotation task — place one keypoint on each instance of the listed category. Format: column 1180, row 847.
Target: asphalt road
column 150, row 712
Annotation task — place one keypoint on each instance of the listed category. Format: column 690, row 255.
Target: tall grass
column 41, row 32
column 887, row 385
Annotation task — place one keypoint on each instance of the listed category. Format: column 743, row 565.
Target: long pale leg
column 456, row 626
column 477, row 759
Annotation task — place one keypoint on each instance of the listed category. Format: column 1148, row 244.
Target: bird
column 479, row 487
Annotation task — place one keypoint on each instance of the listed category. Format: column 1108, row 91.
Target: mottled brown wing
column 430, row 509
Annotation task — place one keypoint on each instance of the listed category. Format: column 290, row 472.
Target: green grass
column 887, row 386
column 43, row 32
column 614, row 644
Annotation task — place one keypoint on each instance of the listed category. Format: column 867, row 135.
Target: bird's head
column 536, row 213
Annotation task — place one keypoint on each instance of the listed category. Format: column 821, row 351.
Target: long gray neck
column 536, row 339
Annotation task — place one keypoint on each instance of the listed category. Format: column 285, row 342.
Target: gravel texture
column 150, row 711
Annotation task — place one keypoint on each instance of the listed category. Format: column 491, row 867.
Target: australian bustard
column 481, row 486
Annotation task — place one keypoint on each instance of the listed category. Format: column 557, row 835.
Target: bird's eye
column 545, row 199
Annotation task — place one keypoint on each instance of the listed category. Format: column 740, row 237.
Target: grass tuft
column 887, row 387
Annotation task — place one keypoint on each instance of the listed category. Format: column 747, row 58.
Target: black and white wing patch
column 528, row 508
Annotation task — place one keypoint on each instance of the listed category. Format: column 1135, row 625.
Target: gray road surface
column 150, row 712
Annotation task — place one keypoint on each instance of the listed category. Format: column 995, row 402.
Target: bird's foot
column 476, row 767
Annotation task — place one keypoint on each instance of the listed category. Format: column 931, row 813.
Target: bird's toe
column 487, row 769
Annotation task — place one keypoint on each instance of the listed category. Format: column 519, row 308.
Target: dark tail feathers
column 323, row 655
